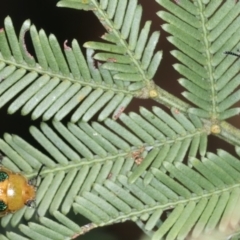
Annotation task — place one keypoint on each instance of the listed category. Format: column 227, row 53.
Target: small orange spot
column 153, row 93
column 66, row 47
column 138, row 161
column 81, row 98
column 137, row 155
column 111, row 60
column 107, row 28
column 109, row 175
column 119, row 112
column 84, row 229
column 176, row 111
column 105, row 34
column 215, row 129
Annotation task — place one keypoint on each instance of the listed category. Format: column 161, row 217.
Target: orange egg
column 16, row 191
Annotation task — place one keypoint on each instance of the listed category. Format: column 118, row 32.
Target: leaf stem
column 169, row 100
column 208, row 58
column 229, row 133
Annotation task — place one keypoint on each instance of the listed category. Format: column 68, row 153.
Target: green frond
column 130, row 52
column 48, row 228
column 84, row 155
column 58, row 227
column 193, row 199
column 56, row 85
column 109, row 187
column 152, row 139
column 211, row 212
column 203, row 32
column 150, row 167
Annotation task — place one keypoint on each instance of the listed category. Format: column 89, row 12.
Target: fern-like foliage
column 195, row 198
column 133, row 57
column 55, row 85
column 105, row 150
column 152, row 168
column 203, row 31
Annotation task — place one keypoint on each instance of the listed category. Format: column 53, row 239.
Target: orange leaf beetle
column 16, row 191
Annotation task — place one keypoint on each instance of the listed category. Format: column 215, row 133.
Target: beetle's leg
column 31, row 204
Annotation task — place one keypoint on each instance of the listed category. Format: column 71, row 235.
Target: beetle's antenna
column 34, row 181
column 39, row 171
column 232, row 53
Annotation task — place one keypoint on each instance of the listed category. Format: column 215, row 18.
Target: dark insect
column 232, row 53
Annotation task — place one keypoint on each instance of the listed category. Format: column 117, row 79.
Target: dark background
column 67, row 24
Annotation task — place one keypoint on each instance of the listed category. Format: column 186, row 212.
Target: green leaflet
column 56, row 82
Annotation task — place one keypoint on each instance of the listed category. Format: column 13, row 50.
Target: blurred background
column 67, row 24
